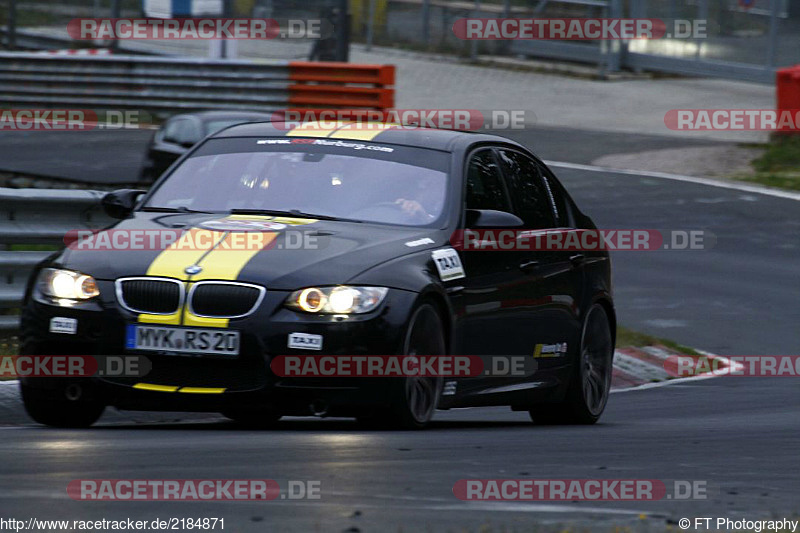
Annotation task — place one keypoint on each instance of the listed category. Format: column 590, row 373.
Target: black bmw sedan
column 268, row 240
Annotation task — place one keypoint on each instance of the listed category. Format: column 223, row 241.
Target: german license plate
column 182, row 340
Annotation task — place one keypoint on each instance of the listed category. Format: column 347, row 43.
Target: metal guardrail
column 164, row 85
column 36, row 217
column 32, row 40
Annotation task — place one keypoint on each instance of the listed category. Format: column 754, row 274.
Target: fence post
column 343, row 32
column 115, row 14
column 426, row 19
column 473, row 45
column 11, row 40
column 616, row 49
column 370, row 24
column 703, row 15
column 774, row 20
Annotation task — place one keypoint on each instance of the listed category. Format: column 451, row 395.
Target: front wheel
column 63, row 408
column 413, row 400
column 587, row 393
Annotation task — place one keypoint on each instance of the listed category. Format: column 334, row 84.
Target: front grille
column 159, row 296
column 224, row 299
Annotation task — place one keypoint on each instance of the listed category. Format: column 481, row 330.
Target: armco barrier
column 37, row 217
column 164, row 85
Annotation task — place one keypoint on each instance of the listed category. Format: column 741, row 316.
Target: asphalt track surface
column 738, row 435
column 115, row 156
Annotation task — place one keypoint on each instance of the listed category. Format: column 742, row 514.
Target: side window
column 531, row 195
column 485, row 183
column 563, row 218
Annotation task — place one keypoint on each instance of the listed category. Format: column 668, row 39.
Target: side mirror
column 491, row 219
column 119, row 204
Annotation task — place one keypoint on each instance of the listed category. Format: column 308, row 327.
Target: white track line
column 735, row 186
column 527, row 507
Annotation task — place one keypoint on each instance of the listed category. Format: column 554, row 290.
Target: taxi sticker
column 448, row 264
column 60, row 324
column 305, row 341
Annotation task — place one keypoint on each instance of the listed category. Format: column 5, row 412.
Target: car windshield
column 345, row 180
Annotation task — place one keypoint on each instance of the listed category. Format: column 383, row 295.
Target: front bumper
column 190, row 382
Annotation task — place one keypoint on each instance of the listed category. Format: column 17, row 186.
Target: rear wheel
column 67, row 407
column 414, row 399
column 589, row 386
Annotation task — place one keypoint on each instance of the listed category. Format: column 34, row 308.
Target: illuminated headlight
column 67, row 285
column 337, row 300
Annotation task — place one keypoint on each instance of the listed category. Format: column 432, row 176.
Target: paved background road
column 115, row 156
column 737, row 298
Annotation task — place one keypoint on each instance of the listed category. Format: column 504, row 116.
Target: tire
column 253, row 418
column 54, row 408
column 413, row 400
column 590, row 383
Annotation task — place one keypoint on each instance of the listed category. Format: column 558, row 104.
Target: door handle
column 577, row 260
column 528, row 266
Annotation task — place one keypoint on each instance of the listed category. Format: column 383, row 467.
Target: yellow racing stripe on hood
column 225, row 263
column 221, row 254
column 172, row 263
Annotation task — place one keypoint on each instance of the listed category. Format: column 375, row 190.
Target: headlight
column 67, row 285
column 337, row 300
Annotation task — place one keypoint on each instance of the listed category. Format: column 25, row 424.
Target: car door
column 489, row 320
column 551, row 290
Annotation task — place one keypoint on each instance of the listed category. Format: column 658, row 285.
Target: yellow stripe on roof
column 363, row 131
column 317, row 129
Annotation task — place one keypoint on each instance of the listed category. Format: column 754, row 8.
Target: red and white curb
column 646, row 367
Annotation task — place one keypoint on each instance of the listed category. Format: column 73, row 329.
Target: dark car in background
column 181, row 132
